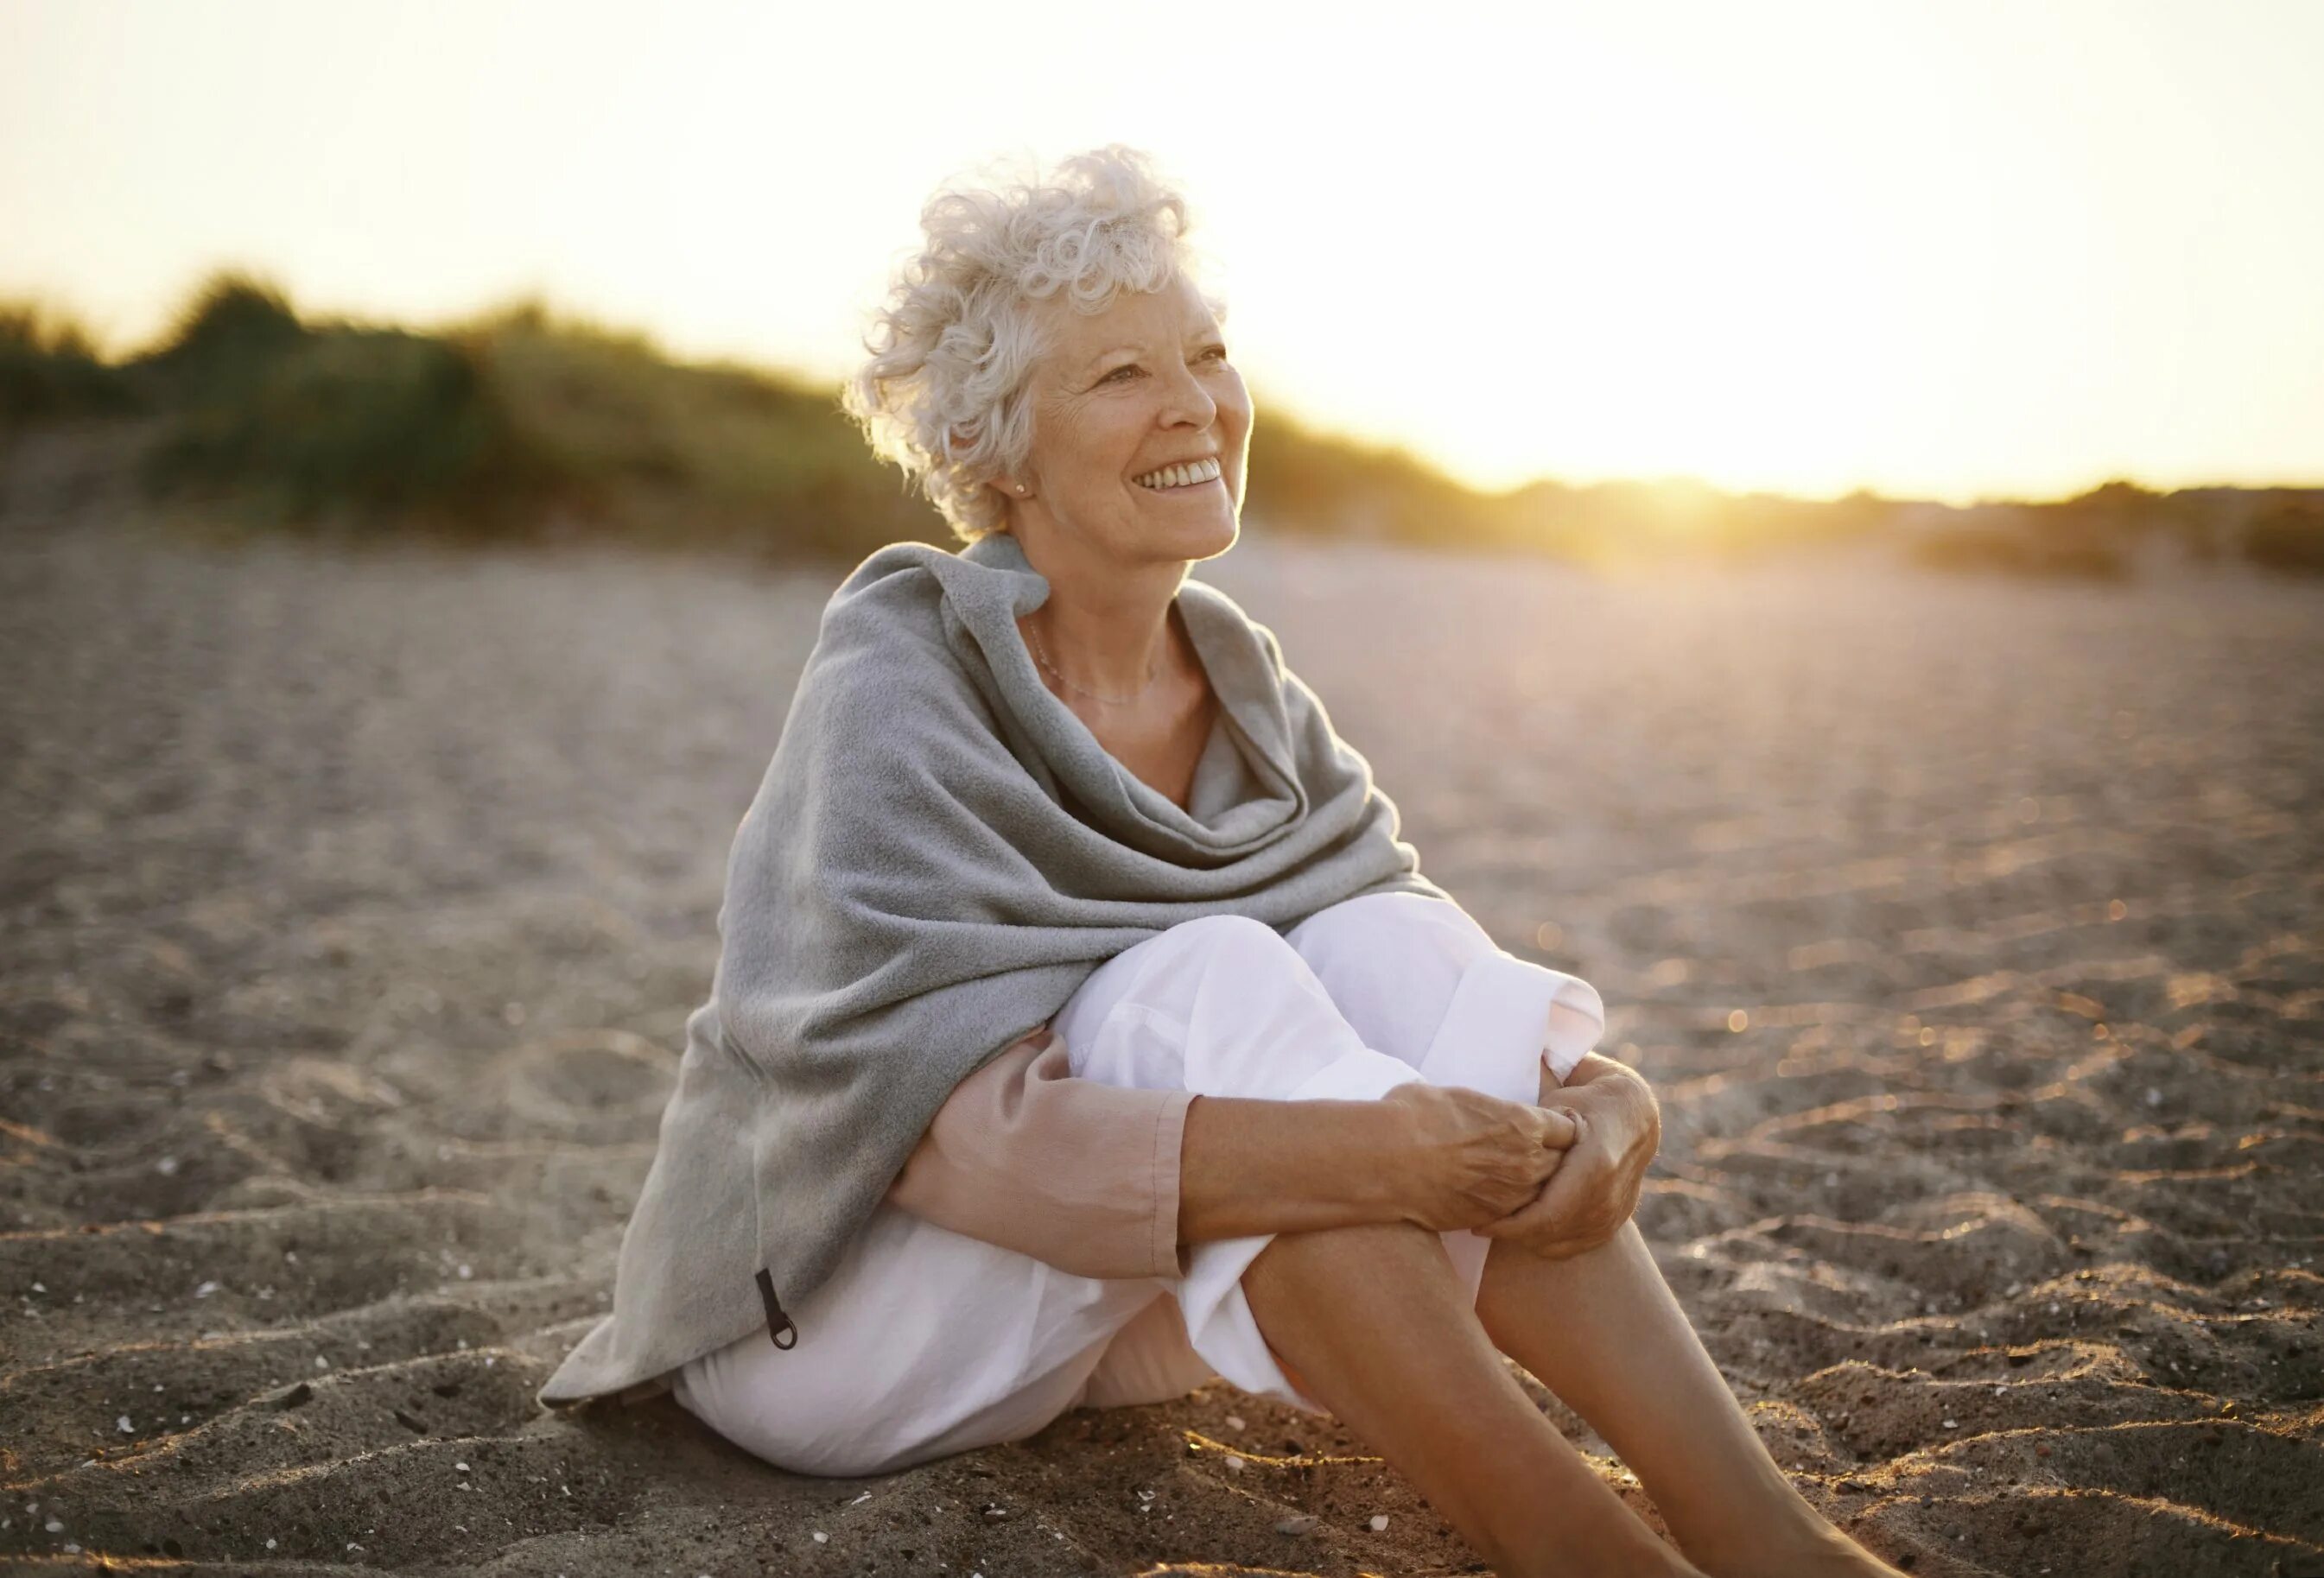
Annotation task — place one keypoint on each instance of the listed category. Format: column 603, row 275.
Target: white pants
column 925, row 1342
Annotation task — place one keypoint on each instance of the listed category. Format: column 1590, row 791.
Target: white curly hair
column 944, row 393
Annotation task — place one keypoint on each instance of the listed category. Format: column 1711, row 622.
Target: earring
column 1020, row 487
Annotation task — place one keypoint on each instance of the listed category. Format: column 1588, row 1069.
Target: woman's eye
column 1216, row 352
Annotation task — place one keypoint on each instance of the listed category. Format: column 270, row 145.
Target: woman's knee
column 1356, row 931
column 1392, row 963
column 1323, row 1267
column 1209, row 944
column 1173, row 967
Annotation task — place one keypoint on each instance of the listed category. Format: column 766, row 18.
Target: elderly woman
column 1082, row 1033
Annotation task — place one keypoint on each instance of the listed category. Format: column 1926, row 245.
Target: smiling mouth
column 1172, row 479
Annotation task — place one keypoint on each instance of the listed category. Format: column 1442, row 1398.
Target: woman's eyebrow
column 1204, row 337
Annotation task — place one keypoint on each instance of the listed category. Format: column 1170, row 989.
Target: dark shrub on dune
column 353, row 423
column 295, row 422
column 2092, row 537
column 50, row 370
column 517, row 424
column 2020, row 553
column 1306, row 482
column 630, row 442
column 2288, row 534
column 225, row 341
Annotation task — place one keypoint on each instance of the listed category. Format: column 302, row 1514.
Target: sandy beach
column 1972, row 931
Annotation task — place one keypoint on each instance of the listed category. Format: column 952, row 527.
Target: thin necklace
column 1043, row 659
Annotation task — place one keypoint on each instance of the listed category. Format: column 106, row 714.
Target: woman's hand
column 1596, row 1188
column 1463, row 1159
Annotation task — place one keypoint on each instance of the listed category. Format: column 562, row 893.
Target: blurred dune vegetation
column 525, row 423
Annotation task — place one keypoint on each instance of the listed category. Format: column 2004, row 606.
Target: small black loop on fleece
column 778, row 1323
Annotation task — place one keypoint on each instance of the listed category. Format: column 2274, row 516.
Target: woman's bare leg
column 1603, row 1331
column 1379, row 1328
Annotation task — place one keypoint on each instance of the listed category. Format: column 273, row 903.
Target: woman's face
column 1124, row 393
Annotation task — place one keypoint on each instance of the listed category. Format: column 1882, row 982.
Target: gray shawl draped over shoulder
column 940, row 854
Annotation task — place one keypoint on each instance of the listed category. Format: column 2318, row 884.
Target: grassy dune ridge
column 524, row 422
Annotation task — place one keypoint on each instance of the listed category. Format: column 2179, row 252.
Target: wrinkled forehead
column 1147, row 320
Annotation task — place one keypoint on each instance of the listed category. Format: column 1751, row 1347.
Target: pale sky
column 1946, row 251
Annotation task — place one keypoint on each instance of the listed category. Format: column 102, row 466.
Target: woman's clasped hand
column 1593, row 1190
column 1465, row 1159
column 1558, row 1179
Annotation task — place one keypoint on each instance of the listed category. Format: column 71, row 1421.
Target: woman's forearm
column 1247, row 1165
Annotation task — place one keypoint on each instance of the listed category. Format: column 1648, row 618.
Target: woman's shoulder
column 881, row 651
column 883, row 625
column 897, row 592
column 1239, row 638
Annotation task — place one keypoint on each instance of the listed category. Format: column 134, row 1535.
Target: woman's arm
column 1078, row 1173
column 1248, row 1165
column 1443, row 1156
column 1112, row 1181
column 1105, row 1181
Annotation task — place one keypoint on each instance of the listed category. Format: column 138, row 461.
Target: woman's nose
column 1189, row 401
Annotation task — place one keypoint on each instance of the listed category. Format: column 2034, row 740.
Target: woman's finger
column 1555, row 1127
column 1519, row 1223
column 1542, row 1165
column 1545, row 1215
column 1575, row 1194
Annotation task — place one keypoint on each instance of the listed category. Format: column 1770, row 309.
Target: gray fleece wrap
column 939, row 855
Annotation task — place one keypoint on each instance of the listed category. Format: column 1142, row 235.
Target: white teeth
column 1179, row 476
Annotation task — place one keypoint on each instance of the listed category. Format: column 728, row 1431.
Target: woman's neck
column 1108, row 634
